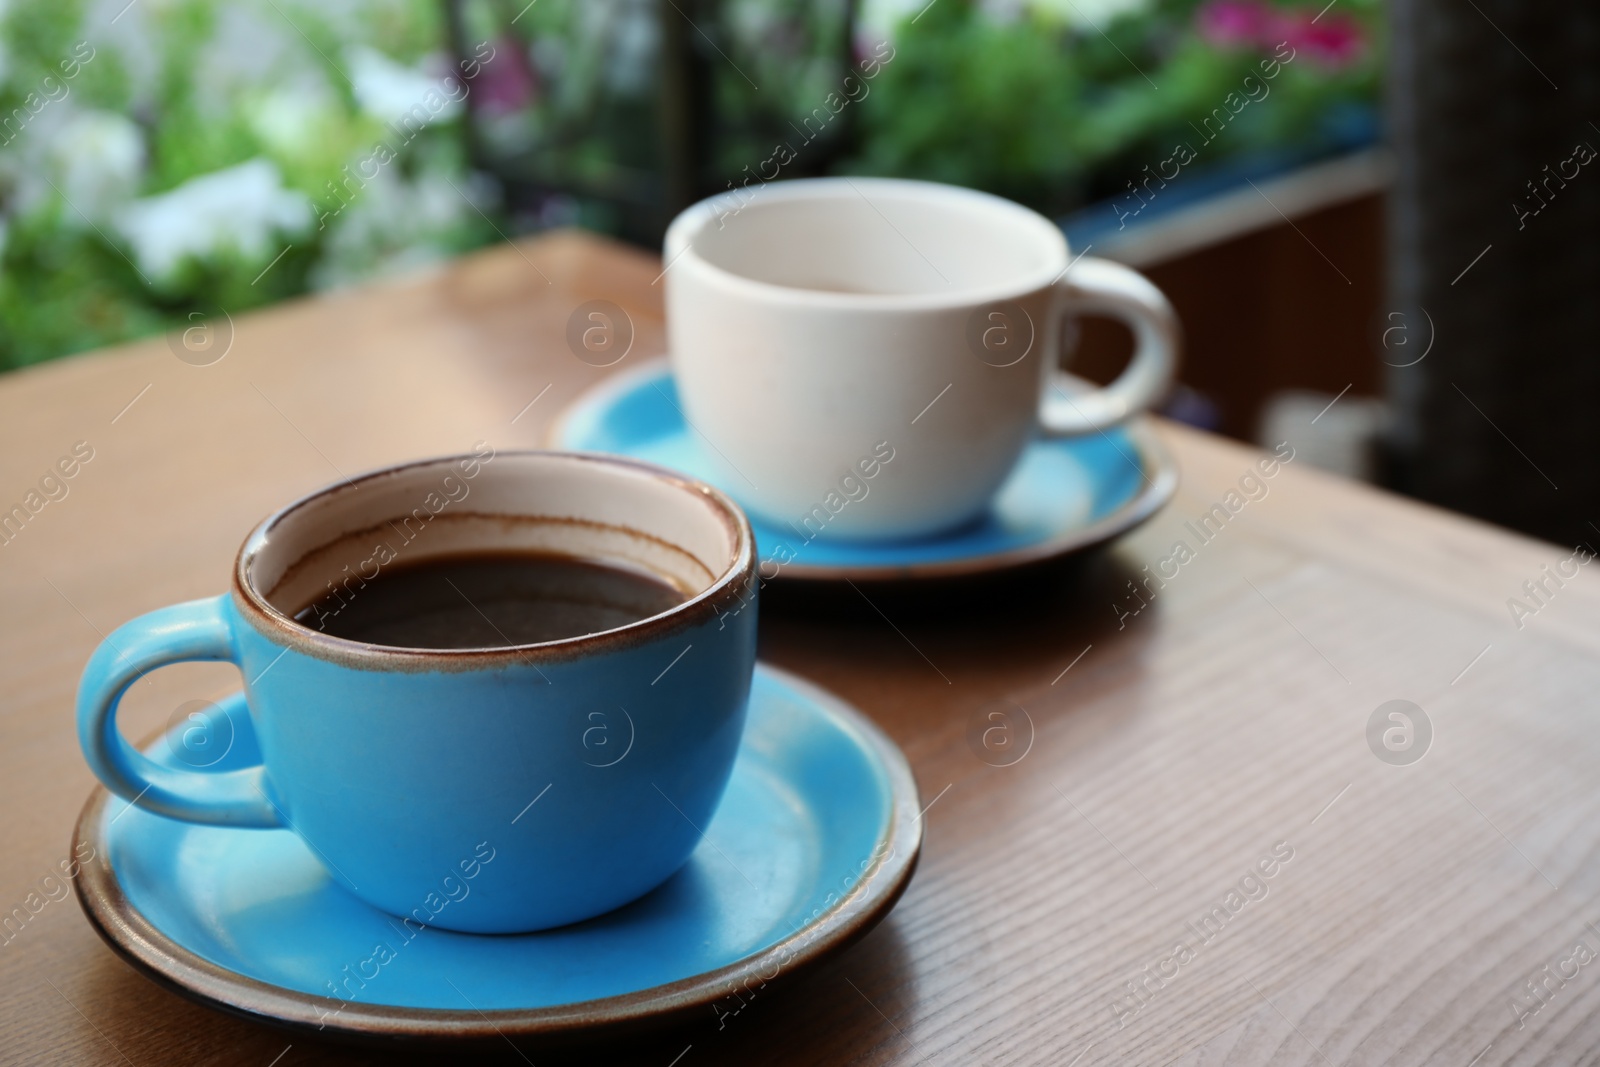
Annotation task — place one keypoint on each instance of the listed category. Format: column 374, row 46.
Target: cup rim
column 678, row 246
column 282, row 629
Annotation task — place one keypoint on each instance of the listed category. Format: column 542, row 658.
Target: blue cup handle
column 197, row 630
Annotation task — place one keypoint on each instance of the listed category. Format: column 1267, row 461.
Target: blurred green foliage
column 1055, row 111
column 201, row 153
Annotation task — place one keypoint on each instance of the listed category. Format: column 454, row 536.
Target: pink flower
column 1334, row 42
column 1235, row 23
column 506, row 80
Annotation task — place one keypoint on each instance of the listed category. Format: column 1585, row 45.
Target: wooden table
column 1170, row 750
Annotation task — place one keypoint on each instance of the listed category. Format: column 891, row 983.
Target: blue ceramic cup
column 490, row 790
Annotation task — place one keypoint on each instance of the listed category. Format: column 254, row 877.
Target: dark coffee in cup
column 490, row 600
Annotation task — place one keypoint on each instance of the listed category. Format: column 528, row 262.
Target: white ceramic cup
column 818, row 326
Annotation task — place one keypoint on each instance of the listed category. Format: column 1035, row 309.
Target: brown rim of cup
column 731, row 585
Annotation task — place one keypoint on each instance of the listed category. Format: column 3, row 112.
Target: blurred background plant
column 165, row 155
column 1058, row 103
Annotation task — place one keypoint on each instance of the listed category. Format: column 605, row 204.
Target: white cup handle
column 1099, row 286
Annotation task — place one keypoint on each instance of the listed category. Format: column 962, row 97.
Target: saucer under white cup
column 817, row 326
column 1065, row 496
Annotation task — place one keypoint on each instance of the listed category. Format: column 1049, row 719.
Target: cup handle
column 1099, row 286
column 197, row 630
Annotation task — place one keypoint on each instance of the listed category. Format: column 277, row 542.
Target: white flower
column 636, row 36
column 399, row 225
column 879, row 18
column 292, row 121
column 98, row 157
column 241, row 209
column 5, row 56
column 1090, row 14
column 389, row 91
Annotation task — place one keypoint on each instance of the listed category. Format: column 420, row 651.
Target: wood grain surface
column 1094, row 885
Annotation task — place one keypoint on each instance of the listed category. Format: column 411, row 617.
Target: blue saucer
column 815, row 839
column 1065, row 495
